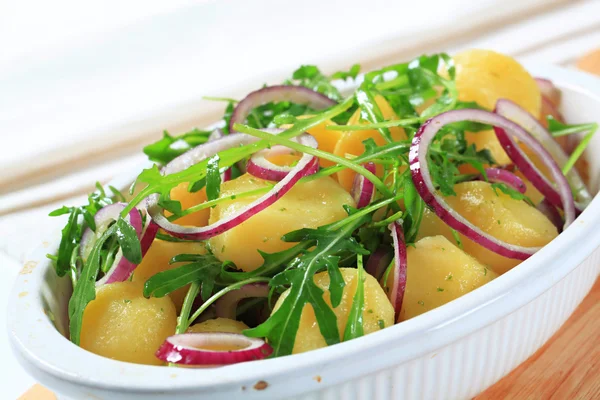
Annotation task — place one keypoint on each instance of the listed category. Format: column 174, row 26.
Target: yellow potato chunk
column 157, row 260
column 503, row 217
column 351, row 143
column 306, row 205
column 439, row 272
column 123, row 325
column 218, row 325
column 187, row 200
column 326, row 138
column 485, row 76
column 378, row 312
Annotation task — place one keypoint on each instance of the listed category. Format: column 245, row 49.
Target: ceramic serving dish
column 452, row 352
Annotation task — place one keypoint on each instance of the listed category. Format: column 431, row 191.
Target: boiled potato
column 306, row 205
column 503, row 217
column 123, row 325
column 439, row 272
column 187, row 200
column 218, row 325
column 378, row 312
column 326, row 138
column 351, row 143
column 157, row 260
column 485, row 76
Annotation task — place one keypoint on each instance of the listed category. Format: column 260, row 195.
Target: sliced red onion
column 205, row 150
column 148, row 235
column 121, row 268
column 278, row 93
column 515, row 113
column 197, row 349
column 226, row 306
column 260, row 167
column 563, row 197
column 396, row 291
column 363, row 189
column 306, row 165
column 422, row 178
column 551, row 213
column 501, row 175
column 548, row 90
column 378, row 262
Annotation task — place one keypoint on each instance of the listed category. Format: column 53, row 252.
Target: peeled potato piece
column 378, row 312
column 485, row 76
column 157, row 260
column 306, row 205
column 123, row 325
column 218, row 325
column 503, row 217
column 187, row 200
column 439, row 272
column 352, row 141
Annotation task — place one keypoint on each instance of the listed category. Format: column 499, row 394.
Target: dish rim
column 49, row 352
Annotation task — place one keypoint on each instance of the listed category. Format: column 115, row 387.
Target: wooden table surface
column 566, row 367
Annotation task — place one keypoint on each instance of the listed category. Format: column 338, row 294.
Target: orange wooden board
column 566, row 367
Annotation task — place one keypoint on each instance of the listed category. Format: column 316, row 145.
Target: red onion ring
column 513, row 112
column 187, row 349
column 226, row 306
column 422, row 178
column 306, row 165
column 503, row 176
column 278, row 93
column 216, row 134
column 260, row 167
column 396, row 294
column 121, row 268
column 378, row 262
column 363, row 189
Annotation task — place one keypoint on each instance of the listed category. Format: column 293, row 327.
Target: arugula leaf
column 281, row 327
column 351, row 73
column 311, row 77
column 79, row 218
column 354, row 326
column 369, row 111
column 515, row 194
column 128, row 241
column 169, row 147
column 85, row 290
column 415, row 206
column 203, row 270
column 213, row 178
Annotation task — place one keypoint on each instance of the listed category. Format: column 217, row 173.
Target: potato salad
column 322, row 209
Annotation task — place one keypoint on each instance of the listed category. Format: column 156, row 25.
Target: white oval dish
column 455, row 351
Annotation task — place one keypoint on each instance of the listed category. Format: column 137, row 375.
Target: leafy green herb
column 513, row 193
column 369, row 111
column 128, row 241
column 169, row 147
column 354, row 326
column 79, row 218
column 213, row 178
column 281, row 327
column 202, row 269
column 85, row 290
column 381, row 323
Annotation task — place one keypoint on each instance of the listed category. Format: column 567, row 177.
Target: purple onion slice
column 260, row 167
column 201, row 349
column 378, row 262
column 121, row 268
column 363, row 189
column 501, row 175
column 306, row 165
column 422, row 178
column 515, row 113
column 278, row 93
column 398, row 286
